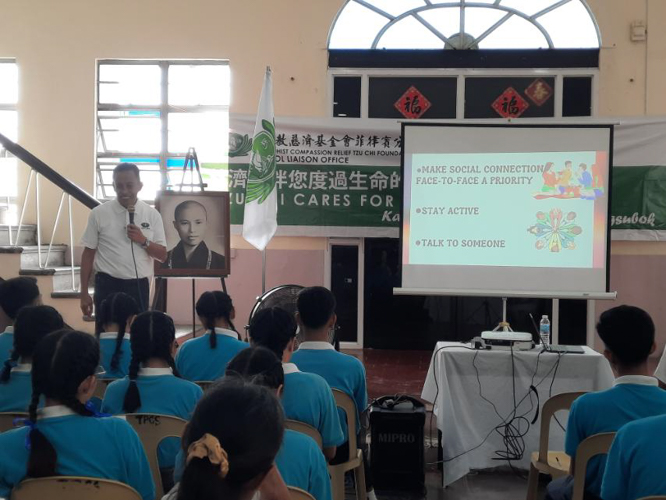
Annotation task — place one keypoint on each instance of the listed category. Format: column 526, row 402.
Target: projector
column 508, row 340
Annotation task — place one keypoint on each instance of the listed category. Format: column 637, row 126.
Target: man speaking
column 122, row 238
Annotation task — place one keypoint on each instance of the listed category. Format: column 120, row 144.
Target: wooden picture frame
column 186, row 258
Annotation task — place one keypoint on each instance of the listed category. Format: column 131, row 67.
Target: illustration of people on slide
column 554, row 231
column 549, row 178
column 586, row 183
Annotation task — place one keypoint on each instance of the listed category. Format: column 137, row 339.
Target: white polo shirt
column 107, row 233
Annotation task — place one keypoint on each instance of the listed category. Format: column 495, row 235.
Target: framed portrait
column 197, row 232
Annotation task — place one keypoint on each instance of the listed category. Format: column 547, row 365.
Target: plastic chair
column 152, row 429
column 553, row 463
column 660, row 497
column 7, row 419
column 205, row 384
column 73, row 488
column 100, row 388
column 307, row 429
column 355, row 459
column 299, row 494
column 599, row 444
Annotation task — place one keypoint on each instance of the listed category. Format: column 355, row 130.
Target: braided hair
column 152, row 336
column 118, row 308
column 61, row 362
column 16, row 293
column 258, row 365
column 273, row 328
column 32, row 324
column 247, row 420
column 211, row 306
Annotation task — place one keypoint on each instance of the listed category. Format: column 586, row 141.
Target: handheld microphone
column 130, row 209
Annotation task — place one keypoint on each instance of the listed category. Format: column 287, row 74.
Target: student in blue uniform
column 153, row 385
column 230, row 445
column 206, row 357
column 316, row 317
column 634, row 468
column 306, row 396
column 300, row 461
column 33, row 323
column 635, row 394
column 65, row 438
column 116, row 314
column 15, row 293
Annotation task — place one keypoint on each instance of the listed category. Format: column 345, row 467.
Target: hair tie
column 25, row 422
column 209, row 447
column 90, row 406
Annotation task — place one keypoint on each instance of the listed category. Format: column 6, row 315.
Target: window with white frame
column 463, row 93
column 152, row 112
column 464, row 24
column 9, row 128
column 487, row 59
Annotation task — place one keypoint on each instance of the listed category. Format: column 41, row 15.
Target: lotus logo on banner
column 260, row 221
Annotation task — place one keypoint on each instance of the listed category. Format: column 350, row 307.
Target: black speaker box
column 396, row 448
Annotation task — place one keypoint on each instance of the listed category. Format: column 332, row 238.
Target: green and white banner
column 260, row 217
column 340, row 177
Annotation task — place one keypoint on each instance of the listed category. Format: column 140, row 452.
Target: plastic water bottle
column 544, row 331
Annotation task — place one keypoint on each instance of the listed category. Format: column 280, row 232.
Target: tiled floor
column 394, row 372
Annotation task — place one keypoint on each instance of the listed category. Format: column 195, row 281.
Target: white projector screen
column 506, row 208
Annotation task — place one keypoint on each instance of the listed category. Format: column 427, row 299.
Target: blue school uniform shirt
column 107, row 448
column 302, row 464
column 307, row 397
column 634, row 468
column 198, row 362
column 107, row 346
column 16, row 393
column 340, row 370
column 631, row 398
column 6, row 344
column 162, row 393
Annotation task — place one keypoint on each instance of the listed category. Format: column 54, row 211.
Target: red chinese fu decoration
column 412, row 104
column 510, row 104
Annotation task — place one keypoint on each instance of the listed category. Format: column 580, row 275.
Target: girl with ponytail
column 32, row 324
column 116, row 314
column 300, row 460
column 66, row 437
column 153, row 384
column 206, row 357
column 231, row 443
column 15, row 293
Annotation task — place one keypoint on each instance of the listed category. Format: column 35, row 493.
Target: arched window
column 464, row 24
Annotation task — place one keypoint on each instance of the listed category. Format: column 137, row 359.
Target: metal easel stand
column 159, row 301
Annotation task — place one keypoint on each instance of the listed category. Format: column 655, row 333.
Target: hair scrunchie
column 208, row 446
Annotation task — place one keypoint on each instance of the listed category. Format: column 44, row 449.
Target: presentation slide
column 482, row 213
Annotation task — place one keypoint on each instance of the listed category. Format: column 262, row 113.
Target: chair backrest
column 299, row 494
column 100, row 388
column 599, row 444
column 7, row 419
column 554, row 404
column 205, row 384
column 307, row 429
column 73, row 488
column 344, row 401
column 660, row 497
column 152, row 429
